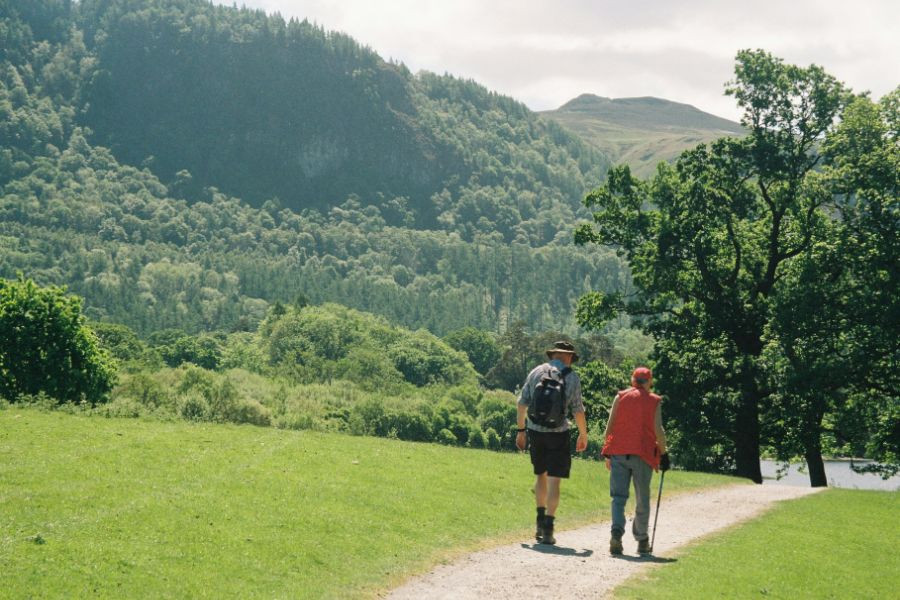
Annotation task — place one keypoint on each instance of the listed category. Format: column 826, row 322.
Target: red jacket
column 634, row 429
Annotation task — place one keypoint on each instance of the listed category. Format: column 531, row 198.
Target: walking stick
column 662, row 476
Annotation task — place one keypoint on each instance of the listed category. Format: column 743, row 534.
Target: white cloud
column 544, row 53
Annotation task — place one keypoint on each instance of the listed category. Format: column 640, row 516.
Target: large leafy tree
column 805, row 354
column 710, row 241
column 864, row 172
column 834, row 334
column 46, row 347
column 834, row 337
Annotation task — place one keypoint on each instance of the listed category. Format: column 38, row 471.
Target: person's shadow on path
column 646, row 558
column 560, row 550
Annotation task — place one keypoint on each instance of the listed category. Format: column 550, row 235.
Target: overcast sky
column 547, row 52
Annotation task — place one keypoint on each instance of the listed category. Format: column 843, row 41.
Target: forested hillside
column 185, row 165
column 263, row 109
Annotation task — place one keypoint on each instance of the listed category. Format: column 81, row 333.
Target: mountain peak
column 648, row 112
column 641, row 131
column 585, row 101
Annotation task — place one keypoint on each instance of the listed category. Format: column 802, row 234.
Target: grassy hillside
column 640, row 132
column 126, row 508
column 836, row 544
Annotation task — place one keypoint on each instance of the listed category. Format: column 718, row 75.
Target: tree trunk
column 746, row 440
column 813, row 448
column 746, row 432
column 816, row 466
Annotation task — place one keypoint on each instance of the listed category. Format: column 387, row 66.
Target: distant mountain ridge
column 649, row 112
column 640, row 131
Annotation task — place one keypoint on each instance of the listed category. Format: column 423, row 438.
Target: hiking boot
column 539, row 531
column 547, row 532
column 615, row 543
column 643, row 546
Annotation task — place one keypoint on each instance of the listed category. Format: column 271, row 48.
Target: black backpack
column 548, row 403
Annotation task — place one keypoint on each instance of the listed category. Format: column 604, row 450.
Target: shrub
column 45, row 346
column 492, row 439
column 446, row 437
column 497, row 411
column 225, row 406
column 477, row 438
column 146, row 390
column 508, row 437
column 337, row 341
column 40, row 401
column 468, row 396
column 336, row 419
column 251, row 413
column 329, row 331
column 242, row 352
column 461, row 424
column 127, row 408
column 197, row 379
column 423, row 359
column 438, row 422
column 203, row 350
column 296, row 421
column 370, row 369
column 442, row 413
column 120, row 341
column 367, row 418
column 410, row 426
column 193, row 407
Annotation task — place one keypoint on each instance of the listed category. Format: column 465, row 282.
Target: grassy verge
column 130, row 508
column 835, row 544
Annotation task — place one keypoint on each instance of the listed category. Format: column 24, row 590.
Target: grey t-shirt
column 573, row 393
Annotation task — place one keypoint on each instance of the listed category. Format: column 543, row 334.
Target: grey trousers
column 623, row 469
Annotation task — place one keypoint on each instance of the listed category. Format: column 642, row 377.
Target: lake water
column 837, row 472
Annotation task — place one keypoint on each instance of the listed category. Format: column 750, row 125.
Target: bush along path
column 579, row 565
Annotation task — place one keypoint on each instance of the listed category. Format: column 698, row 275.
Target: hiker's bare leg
column 552, row 494
column 540, row 490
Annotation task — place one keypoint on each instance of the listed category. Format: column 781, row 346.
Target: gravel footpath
column 579, row 565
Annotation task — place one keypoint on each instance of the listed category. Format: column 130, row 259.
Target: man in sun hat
column 635, row 445
column 550, row 392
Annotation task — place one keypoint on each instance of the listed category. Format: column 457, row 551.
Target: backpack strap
column 563, row 374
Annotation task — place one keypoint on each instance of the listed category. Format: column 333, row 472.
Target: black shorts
column 550, row 453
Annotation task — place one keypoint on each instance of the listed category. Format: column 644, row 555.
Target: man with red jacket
column 635, row 446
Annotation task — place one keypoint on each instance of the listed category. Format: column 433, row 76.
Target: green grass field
column 835, row 544
column 130, row 508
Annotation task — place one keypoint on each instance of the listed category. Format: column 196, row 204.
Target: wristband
column 521, row 430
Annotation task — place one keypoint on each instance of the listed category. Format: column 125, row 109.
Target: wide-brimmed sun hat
column 563, row 348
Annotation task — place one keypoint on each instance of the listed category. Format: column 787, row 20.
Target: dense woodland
column 177, row 209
